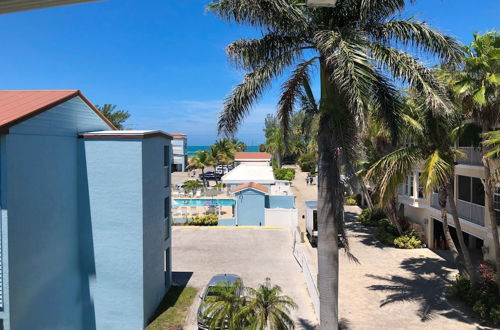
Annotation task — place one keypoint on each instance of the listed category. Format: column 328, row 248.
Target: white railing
column 473, row 156
column 311, row 284
column 471, row 212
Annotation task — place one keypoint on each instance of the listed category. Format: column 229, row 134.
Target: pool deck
column 226, row 212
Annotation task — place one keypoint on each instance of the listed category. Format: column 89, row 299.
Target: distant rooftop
column 262, row 174
column 252, row 156
column 250, row 185
column 17, row 106
column 178, row 136
column 130, row 134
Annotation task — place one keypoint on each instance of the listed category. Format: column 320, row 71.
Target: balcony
column 468, row 211
column 473, row 156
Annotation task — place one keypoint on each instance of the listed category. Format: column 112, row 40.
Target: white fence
column 310, row 282
column 281, row 218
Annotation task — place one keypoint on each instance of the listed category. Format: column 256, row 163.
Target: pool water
column 203, row 202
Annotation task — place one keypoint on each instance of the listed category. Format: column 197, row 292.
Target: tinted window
column 464, row 188
column 166, row 156
column 166, row 204
column 477, row 191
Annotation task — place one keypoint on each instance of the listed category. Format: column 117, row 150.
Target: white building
column 179, row 150
column 470, row 200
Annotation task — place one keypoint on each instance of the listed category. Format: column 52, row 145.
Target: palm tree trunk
column 392, row 213
column 366, row 193
column 443, row 195
column 488, row 189
column 330, row 208
column 463, row 247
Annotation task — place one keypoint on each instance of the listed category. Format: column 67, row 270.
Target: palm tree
column 432, row 142
column 116, row 117
column 275, row 144
column 352, row 44
column 478, row 87
column 192, row 185
column 268, row 308
column 223, row 306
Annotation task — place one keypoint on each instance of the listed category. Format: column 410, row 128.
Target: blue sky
column 163, row 61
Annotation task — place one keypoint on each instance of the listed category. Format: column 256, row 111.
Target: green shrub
column 350, row 200
column 483, row 300
column 284, row 174
column 371, row 218
column 407, row 241
column 308, row 162
column 205, row 220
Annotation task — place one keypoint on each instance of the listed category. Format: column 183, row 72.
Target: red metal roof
column 18, row 106
column 177, row 134
column 252, row 155
column 252, row 185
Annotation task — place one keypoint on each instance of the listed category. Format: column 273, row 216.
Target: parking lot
column 254, row 254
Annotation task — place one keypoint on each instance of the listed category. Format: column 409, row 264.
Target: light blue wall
column 250, row 207
column 114, row 170
column 41, row 198
column 280, row 202
column 227, row 222
column 155, row 190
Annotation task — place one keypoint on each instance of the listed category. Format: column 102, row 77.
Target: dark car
column 210, row 176
column 221, row 279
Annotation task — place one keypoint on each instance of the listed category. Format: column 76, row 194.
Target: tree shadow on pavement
column 365, row 234
column 425, row 285
column 344, row 324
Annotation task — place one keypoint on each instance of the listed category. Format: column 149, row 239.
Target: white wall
column 281, row 218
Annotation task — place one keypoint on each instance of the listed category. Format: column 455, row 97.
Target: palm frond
column 250, row 54
column 436, row 172
column 281, row 15
column 374, row 10
column 420, row 36
column 423, row 80
column 390, row 171
column 239, row 102
column 291, row 91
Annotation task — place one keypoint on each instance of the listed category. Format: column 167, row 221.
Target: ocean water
column 193, row 149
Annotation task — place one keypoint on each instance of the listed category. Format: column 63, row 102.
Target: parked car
column 229, row 279
column 210, row 176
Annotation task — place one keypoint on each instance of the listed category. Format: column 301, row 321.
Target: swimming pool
column 203, row 202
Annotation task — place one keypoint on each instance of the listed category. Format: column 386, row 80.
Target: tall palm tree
column 432, row 143
column 268, row 308
column 116, row 117
column 223, row 307
column 478, row 87
column 352, row 45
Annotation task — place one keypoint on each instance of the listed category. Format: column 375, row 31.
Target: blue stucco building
column 85, row 216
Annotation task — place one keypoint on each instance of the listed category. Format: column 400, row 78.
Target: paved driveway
column 254, row 254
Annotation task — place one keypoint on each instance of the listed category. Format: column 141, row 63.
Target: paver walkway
column 389, row 288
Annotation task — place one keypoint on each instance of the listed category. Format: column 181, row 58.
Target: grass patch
column 173, row 309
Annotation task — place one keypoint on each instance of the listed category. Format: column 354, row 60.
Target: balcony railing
column 468, row 211
column 471, row 212
column 473, row 156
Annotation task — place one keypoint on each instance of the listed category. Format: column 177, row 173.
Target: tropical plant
column 192, row 185
column 267, row 308
column 492, row 144
column 275, row 140
column 223, row 306
column 432, row 143
column 478, row 88
column 352, row 44
column 116, row 117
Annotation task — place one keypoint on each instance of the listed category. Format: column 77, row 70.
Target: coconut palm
column 223, row 307
column 352, row 45
column 432, row 143
column 478, row 88
column 275, row 144
column 116, row 117
column 268, row 308
column 192, row 185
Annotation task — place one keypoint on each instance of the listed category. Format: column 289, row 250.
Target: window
column 496, row 205
column 410, row 178
column 166, row 220
column 166, row 164
column 420, row 187
column 166, row 266
column 471, row 190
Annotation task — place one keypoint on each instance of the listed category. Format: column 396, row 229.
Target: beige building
column 470, row 200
